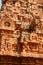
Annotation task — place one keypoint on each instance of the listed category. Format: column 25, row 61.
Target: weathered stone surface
column 21, row 28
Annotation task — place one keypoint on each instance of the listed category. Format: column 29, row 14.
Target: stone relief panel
column 21, row 26
column 8, row 44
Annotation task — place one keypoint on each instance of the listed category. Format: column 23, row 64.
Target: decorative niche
column 7, row 24
column 34, row 47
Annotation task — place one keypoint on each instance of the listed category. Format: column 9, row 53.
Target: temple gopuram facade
column 21, row 32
